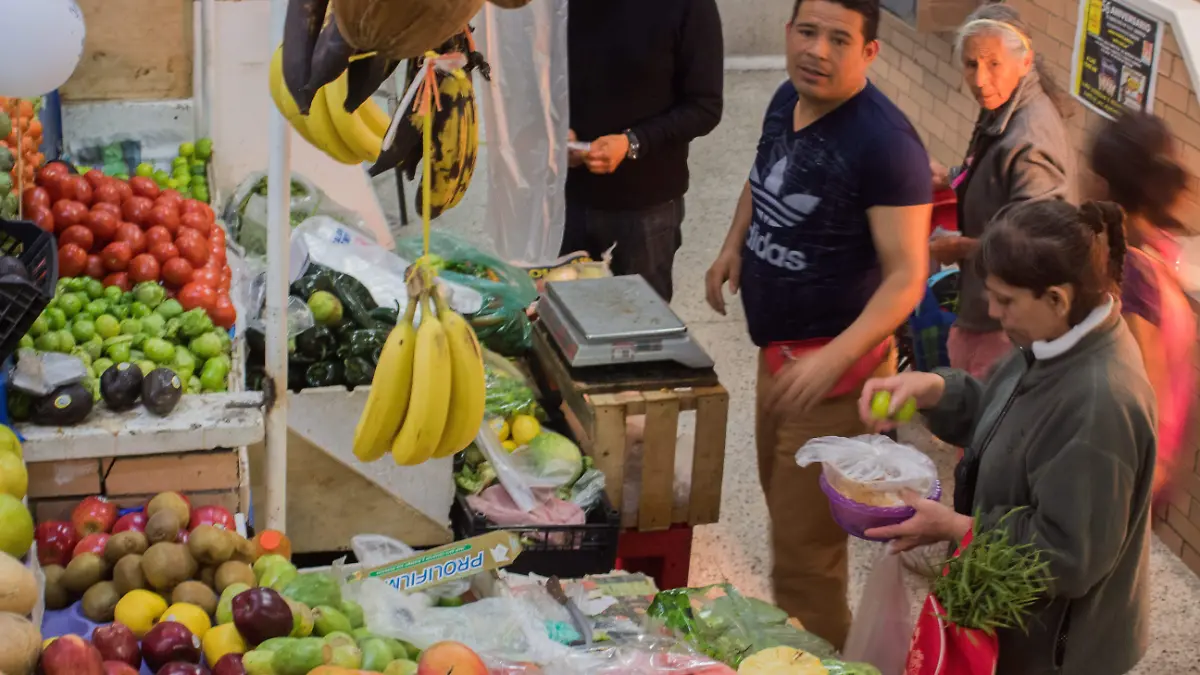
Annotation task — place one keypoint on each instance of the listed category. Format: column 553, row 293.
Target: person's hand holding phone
column 575, row 155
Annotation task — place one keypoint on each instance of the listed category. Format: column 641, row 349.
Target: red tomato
column 51, row 171
column 195, row 206
column 226, row 279
column 108, row 207
column 136, row 209
column 172, row 195
column 165, row 215
column 157, row 234
column 132, row 235
column 54, row 187
column 103, row 225
column 177, row 271
column 120, row 280
column 216, row 256
column 95, row 267
column 207, row 276
column 124, row 189
column 223, row 313
column 79, row 235
column 96, row 178
column 117, row 256
column 195, row 295
column 194, row 250
column 72, row 260
column 42, row 217
column 144, row 187
column 217, row 234
column 76, row 188
column 143, row 268
column 68, row 213
column 164, row 251
column 197, row 222
column 106, row 193
column 34, row 197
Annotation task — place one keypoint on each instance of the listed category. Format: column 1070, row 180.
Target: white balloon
column 42, row 44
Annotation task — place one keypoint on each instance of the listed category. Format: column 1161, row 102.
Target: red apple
column 71, row 655
column 56, row 539
column 94, row 514
column 217, row 516
column 133, row 522
column 170, row 641
column 261, row 614
column 230, row 664
column 450, row 657
column 117, row 643
column 93, row 543
column 182, row 668
column 119, row 668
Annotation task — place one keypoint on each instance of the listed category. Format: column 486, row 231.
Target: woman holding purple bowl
column 1061, row 438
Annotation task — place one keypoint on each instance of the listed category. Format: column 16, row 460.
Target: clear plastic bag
column 883, row 624
column 586, row 491
column 506, row 472
column 541, row 469
column 507, row 395
column 871, row 470
column 41, row 373
column 245, row 213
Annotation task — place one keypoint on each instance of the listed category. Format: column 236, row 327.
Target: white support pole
column 278, row 243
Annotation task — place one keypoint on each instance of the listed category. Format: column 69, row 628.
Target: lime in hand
column 881, row 408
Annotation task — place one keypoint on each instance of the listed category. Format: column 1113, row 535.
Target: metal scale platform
column 615, row 321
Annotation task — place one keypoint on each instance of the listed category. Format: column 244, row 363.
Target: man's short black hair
column 869, row 9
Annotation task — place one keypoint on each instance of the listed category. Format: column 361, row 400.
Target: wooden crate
column 602, row 399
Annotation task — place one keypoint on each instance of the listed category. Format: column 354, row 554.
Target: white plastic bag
column 526, row 121
column 883, row 624
column 41, row 373
column 507, row 473
column 871, row 470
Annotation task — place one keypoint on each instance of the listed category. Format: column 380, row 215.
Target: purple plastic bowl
column 857, row 518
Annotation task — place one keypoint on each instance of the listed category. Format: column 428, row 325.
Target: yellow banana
column 456, row 129
column 467, row 388
column 375, row 117
column 427, row 411
column 284, row 101
column 321, row 125
column 391, row 389
column 357, row 136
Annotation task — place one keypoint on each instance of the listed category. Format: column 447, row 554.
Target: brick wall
column 918, row 71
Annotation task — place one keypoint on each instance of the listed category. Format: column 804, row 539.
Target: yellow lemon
column 13, row 478
column 9, row 442
column 500, row 426
column 222, row 640
column 525, row 428
column 46, row 642
column 509, row 446
column 139, row 610
column 192, row 616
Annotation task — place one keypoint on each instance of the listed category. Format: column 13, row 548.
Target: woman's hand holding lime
column 890, row 401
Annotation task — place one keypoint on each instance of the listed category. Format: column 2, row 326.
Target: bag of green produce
column 245, row 213
column 502, row 323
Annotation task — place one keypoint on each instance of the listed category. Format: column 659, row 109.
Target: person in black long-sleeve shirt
column 646, row 78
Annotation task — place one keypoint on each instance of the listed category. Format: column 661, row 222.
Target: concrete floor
column 736, row 549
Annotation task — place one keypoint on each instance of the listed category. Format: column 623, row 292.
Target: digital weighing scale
column 614, row 321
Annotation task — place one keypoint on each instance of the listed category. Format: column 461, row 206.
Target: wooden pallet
column 601, row 399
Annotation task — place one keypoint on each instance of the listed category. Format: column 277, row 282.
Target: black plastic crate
column 566, row 551
column 21, row 301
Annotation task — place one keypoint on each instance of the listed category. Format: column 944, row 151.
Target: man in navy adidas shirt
column 829, row 248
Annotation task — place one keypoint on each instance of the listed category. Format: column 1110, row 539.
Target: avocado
column 63, row 407
column 120, row 386
column 10, row 266
column 161, row 390
column 6, row 160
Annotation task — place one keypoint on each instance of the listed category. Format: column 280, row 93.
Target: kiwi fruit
column 167, row 565
column 163, row 527
column 100, row 601
column 172, row 502
column 211, row 545
column 57, row 596
column 208, row 576
column 123, row 544
column 127, row 574
column 244, row 550
column 195, row 593
column 84, row 571
column 233, row 572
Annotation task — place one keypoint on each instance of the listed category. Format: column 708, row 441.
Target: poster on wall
column 1115, row 64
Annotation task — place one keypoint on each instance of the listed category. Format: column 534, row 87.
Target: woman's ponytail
column 1107, row 219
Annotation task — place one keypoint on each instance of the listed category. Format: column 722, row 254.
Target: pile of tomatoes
column 127, row 232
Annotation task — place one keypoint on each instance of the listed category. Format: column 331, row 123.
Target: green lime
column 70, row 304
column 95, row 289
column 77, row 284
column 186, row 149
column 198, row 167
column 100, row 365
column 66, row 341
column 139, row 310
column 131, row 326
column 40, row 326
column 118, row 310
column 26, row 342
column 119, row 352
column 881, row 405
column 144, row 170
column 172, row 183
column 58, row 318
column 113, row 293
column 47, row 342
column 907, row 411
column 178, row 162
column 121, row 176
column 83, row 330
column 183, row 181
column 159, row 350
column 96, row 307
column 107, row 326
column 200, row 194
column 94, row 347
column 204, row 148
column 146, row 367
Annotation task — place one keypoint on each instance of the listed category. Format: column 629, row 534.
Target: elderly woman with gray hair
column 1019, row 151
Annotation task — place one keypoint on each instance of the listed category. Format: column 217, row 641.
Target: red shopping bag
column 941, row 648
